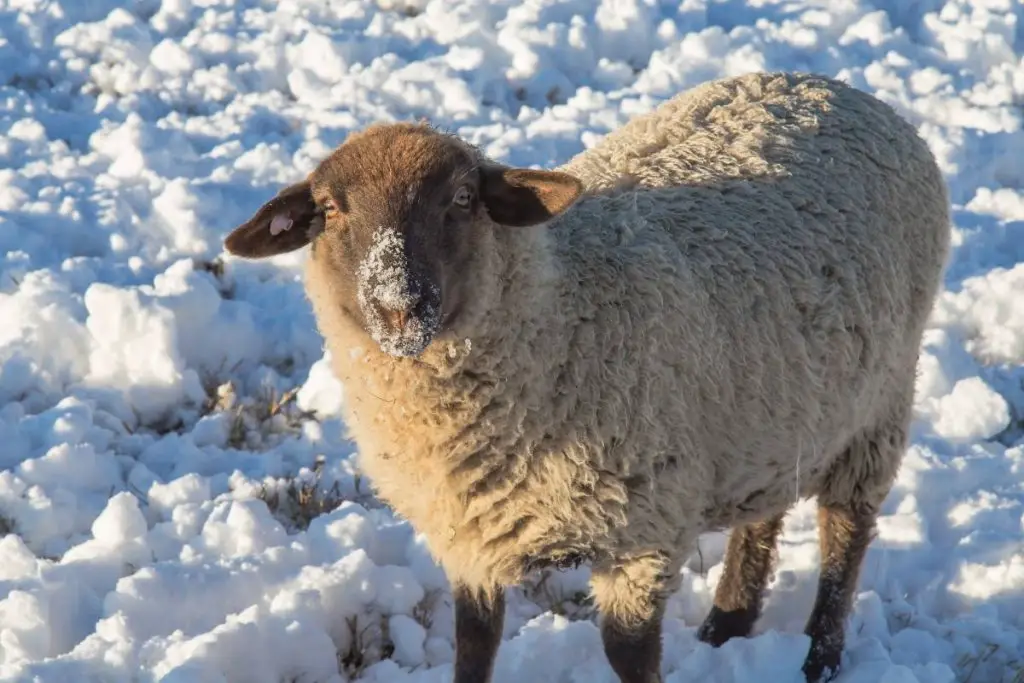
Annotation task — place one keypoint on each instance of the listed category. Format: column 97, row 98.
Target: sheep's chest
column 493, row 504
column 496, row 537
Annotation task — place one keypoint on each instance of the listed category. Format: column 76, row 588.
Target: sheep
column 714, row 312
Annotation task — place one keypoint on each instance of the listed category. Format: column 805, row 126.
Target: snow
column 178, row 501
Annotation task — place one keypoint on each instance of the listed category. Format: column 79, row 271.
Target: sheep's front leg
column 479, row 619
column 630, row 596
column 749, row 559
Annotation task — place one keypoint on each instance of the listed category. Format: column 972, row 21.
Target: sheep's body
column 728, row 320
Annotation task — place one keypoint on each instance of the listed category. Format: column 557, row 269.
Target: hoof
column 721, row 626
column 822, row 663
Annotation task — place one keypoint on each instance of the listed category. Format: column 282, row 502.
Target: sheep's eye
column 330, row 208
column 463, row 197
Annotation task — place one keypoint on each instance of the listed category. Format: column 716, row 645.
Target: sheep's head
column 396, row 215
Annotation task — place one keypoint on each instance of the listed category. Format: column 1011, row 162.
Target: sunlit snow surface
column 134, row 135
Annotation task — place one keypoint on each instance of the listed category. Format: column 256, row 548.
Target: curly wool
column 738, row 297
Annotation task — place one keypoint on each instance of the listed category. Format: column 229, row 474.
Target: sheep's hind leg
column 631, row 598
column 848, row 506
column 479, row 621
column 749, row 559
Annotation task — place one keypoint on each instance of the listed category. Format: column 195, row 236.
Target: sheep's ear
column 521, row 197
column 281, row 225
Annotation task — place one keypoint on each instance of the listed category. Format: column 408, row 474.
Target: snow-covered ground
column 168, row 427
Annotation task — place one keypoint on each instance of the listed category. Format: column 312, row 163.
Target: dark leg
column 479, row 618
column 631, row 597
column 844, row 538
column 634, row 649
column 749, row 560
column 848, row 505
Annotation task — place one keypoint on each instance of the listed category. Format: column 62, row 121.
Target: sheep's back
column 820, row 145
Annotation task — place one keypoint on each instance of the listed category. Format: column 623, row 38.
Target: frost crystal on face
column 384, row 282
column 384, row 273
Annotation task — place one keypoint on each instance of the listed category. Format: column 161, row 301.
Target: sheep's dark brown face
column 399, row 216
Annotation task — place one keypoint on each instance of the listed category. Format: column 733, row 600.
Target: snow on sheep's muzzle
column 402, row 312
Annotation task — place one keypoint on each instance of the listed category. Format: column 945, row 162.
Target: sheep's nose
column 396, row 319
column 397, row 310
